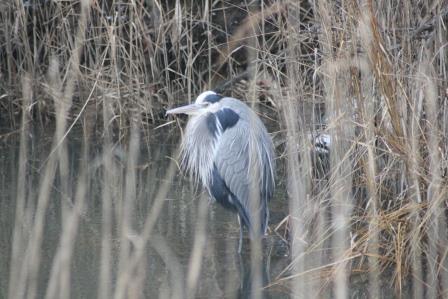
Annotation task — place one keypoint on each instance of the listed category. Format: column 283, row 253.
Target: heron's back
column 244, row 161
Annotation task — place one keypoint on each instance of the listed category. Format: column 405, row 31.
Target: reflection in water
column 248, row 282
column 168, row 266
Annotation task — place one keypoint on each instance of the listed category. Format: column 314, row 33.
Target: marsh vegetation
column 93, row 203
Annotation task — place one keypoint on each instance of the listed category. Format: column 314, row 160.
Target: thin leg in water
column 240, row 244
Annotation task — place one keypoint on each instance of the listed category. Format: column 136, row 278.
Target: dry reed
column 371, row 75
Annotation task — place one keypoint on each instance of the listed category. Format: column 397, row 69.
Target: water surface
column 166, row 262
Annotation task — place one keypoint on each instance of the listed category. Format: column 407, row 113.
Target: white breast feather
column 199, row 148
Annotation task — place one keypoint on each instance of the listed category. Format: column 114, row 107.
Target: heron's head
column 205, row 102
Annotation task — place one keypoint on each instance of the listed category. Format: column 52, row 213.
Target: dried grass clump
column 385, row 92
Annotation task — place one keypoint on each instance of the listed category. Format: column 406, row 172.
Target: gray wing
column 244, row 160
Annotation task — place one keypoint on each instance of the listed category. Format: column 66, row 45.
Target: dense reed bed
column 366, row 214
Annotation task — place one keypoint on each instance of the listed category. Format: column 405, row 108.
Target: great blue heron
column 228, row 149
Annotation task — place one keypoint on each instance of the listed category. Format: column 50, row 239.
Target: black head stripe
column 227, row 118
column 213, row 98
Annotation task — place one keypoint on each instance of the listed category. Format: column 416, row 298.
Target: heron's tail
column 247, row 221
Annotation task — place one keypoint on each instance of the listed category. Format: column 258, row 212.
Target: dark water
column 223, row 272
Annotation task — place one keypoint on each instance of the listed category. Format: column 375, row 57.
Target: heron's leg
column 240, row 244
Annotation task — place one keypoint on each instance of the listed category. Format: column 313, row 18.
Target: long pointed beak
column 187, row 109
